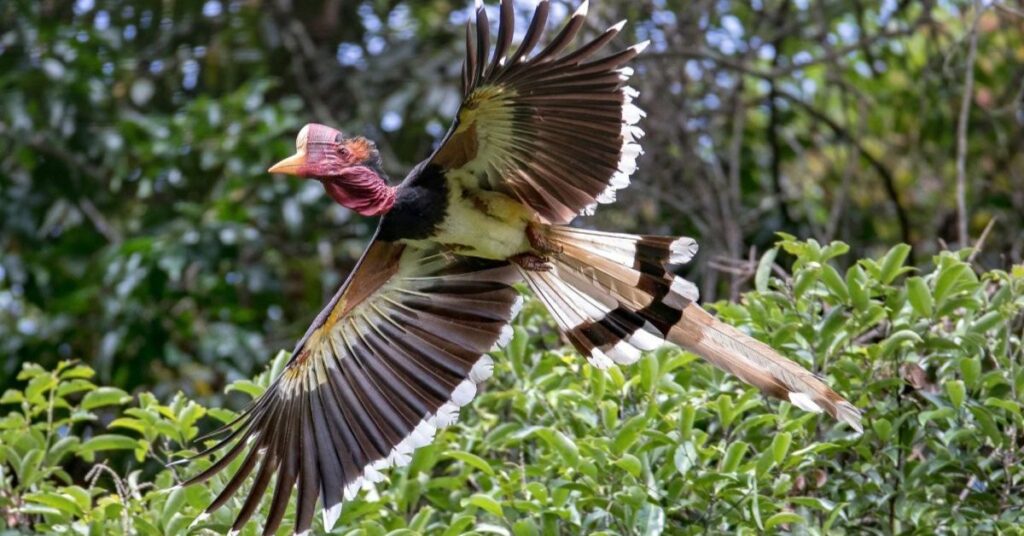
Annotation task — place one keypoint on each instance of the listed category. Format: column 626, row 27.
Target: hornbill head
column 349, row 168
column 322, row 151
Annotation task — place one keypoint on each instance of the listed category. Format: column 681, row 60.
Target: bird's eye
column 338, row 138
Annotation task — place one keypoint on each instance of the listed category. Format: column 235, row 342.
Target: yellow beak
column 290, row 165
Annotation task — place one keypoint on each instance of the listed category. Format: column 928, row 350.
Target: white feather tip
column 582, row 10
column 804, row 402
column 463, row 393
column 331, row 516
column 482, row 369
column 681, row 250
column 516, row 306
column 504, row 337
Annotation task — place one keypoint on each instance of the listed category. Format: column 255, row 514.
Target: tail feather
column 613, row 296
column 759, row 365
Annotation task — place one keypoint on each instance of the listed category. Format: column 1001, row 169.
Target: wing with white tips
column 392, row 358
column 554, row 129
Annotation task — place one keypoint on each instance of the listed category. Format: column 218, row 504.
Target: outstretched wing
column 555, row 130
column 390, row 359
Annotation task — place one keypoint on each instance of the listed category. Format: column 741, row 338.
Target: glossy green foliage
column 668, row 445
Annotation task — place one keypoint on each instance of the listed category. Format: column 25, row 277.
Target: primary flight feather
column 543, row 135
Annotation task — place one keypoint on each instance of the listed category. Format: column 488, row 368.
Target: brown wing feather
column 391, row 358
column 551, row 129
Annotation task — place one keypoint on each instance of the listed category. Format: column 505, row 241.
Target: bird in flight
column 543, row 135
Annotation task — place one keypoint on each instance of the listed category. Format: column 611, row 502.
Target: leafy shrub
column 667, row 445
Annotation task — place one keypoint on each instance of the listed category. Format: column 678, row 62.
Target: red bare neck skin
column 361, row 189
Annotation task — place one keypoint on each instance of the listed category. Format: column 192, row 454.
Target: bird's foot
column 540, row 242
column 531, row 262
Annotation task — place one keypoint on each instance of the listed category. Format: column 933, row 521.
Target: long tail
column 613, row 296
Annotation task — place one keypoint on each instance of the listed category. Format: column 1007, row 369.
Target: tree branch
column 888, row 181
column 961, row 129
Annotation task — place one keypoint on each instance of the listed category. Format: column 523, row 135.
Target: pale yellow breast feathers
column 483, row 224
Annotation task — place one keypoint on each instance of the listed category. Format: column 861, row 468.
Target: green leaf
column 685, row 458
column 920, row 296
column 12, row 396
column 104, row 396
column 834, row 249
column 422, row 519
column 459, row 524
column 631, row 464
column 470, row 459
column 764, row 269
column 566, row 449
column 248, row 387
column 39, row 386
column 780, row 446
column 525, row 527
column 882, row 428
column 782, row 518
column 892, row 263
column 988, row 425
column 77, row 385
column 29, row 466
column 106, row 442
column 819, row 503
column 648, row 372
column 956, row 391
column 733, row 456
column 805, row 279
column 486, row 502
column 1009, row 405
column 650, row 520
column 629, row 433
column 278, row 363
column 834, row 283
column 898, row 339
column 64, row 503
column 987, row 322
column 970, row 369
column 173, row 504
column 856, row 283
column 78, row 371
column 949, row 279
column 134, row 425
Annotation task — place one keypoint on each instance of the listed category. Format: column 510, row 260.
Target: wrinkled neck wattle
column 361, row 189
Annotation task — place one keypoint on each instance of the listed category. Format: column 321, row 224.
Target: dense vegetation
column 144, row 249
column 667, row 445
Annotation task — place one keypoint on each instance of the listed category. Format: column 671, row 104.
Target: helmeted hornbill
column 540, row 138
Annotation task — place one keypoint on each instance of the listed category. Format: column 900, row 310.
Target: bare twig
column 1001, row 6
column 981, row 241
column 961, row 129
column 739, row 122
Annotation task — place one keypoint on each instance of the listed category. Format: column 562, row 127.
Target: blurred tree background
column 140, row 232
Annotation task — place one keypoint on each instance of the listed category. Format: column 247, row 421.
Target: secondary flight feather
column 545, row 133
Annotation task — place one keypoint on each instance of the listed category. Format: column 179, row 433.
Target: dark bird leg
column 531, row 262
column 540, row 241
column 537, row 260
